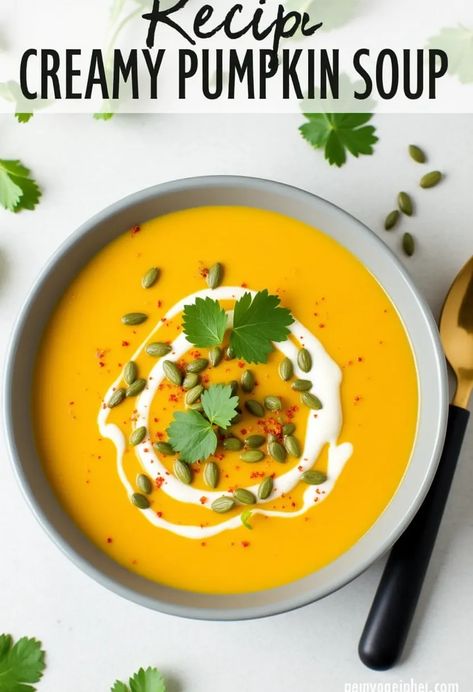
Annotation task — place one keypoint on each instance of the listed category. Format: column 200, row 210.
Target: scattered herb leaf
column 220, row 404
column 338, row 133
column 103, row 116
column 23, row 117
column 17, row 189
column 457, row 42
column 205, row 322
column 20, row 663
column 145, row 680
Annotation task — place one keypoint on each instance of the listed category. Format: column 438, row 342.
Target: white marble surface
column 93, row 636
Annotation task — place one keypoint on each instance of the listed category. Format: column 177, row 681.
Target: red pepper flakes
column 257, row 474
column 243, row 431
column 204, row 272
column 219, row 455
column 159, row 514
column 159, row 304
column 109, row 540
column 357, row 399
column 159, row 481
column 293, row 504
column 203, row 544
column 241, row 364
column 360, row 359
column 205, row 379
column 291, row 412
column 71, row 403
column 203, row 500
column 101, row 364
column 159, row 435
column 196, row 354
column 174, row 397
column 244, row 285
column 134, row 230
column 125, row 343
column 245, row 544
column 300, row 468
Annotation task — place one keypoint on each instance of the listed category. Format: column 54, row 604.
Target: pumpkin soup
column 236, row 401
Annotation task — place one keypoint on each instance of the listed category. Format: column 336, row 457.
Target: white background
column 92, row 636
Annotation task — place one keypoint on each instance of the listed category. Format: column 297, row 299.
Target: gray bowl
column 223, row 190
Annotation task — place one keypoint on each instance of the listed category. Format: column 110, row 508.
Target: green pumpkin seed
column 197, row 365
column 150, row 278
column 172, row 372
column 190, row 381
column 304, row 360
column 215, row 275
column 229, row 353
column 164, row 448
column 140, row 501
column 193, row 394
column 116, row 398
column 235, row 386
column 223, row 504
column 236, row 418
column 144, row 484
column 254, row 441
column 272, row 438
column 247, row 381
column 196, row 407
column 301, row 385
column 137, row 436
column 417, row 154
column 265, row 488
column 255, row 408
column 292, row 446
column 286, row 369
column 405, row 203
column 313, row 477
column 272, row 403
column 311, row 401
column 277, row 451
column 134, row 318
column 288, row 429
column 211, row 474
column 391, row 220
column 158, row 349
column 130, row 372
column 244, row 496
column 252, row 456
column 232, row 444
column 136, row 388
column 245, row 519
column 430, row 179
column 408, row 244
column 215, row 356
column 182, row 471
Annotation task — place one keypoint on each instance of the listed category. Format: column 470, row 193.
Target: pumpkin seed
column 158, row 349
column 215, row 275
column 286, row 369
column 417, row 154
column 150, row 278
column 138, row 435
column 172, row 372
column 313, row 477
column 193, row 394
column 288, row 429
column 237, row 417
column 133, row 318
column 255, row 408
column 301, row 385
column 254, row 441
column 277, row 452
column 234, row 385
column 244, row 496
column 116, row 398
column 292, row 446
column 215, row 356
column 197, row 406
column 408, row 244
column 197, row 365
column 182, row 471
column 229, row 353
column 304, row 360
column 247, row 381
column 190, row 381
column 144, row 484
column 311, row 401
column 223, row 504
column 245, row 519
column 130, row 372
column 140, row 501
column 252, row 456
column 136, row 388
column 232, row 444
column 272, row 438
column 164, row 448
column 430, row 179
column 405, row 203
column 391, row 220
column 265, row 488
column 211, row 474
column 272, row 403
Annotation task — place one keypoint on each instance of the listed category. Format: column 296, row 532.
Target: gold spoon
column 393, row 608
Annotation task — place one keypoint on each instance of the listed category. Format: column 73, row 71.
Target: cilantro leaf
column 24, row 117
column 204, row 322
column 20, row 663
column 457, row 42
column 17, row 189
column 149, row 680
column 192, row 436
column 338, row 133
column 219, row 404
column 257, row 322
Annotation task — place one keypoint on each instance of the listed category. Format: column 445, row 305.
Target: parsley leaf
column 17, row 189
column 257, row 322
column 204, row 322
column 338, row 133
column 193, row 435
column 103, row 116
column 20, row 663
column 149, row 680
column 457, row 42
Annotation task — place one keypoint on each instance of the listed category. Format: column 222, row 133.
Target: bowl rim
column 437, row 431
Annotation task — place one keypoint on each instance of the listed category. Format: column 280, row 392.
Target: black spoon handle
column 395, row 602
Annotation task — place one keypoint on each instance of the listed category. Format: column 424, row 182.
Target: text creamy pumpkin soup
column 225, row 399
